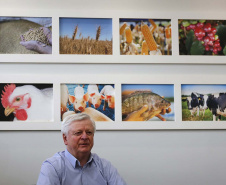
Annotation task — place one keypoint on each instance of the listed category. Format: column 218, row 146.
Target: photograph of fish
column 86, row 36
column 25, row 35
column 97, row 100
column 26, row 102
column 147, row 102
column 203, row 102
column 202, row 37
column 145, row 37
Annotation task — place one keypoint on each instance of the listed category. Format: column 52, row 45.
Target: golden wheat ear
column 75, row 33
column 98, row 33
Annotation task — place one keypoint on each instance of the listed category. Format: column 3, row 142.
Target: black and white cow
column 202, row 102
column 197, row 103
column 217, row 105
column 193, row 104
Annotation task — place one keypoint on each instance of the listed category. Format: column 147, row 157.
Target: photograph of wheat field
column 145, row 37
column 89, row 36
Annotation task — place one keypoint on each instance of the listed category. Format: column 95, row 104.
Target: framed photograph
column 96, row 100
column 26, row 102
column 202, row 37
column 114, row 101
column 112, row 37
column 145, row 36
column 203, row 102
column 147, row 102
column 25, row 35
column 86, row 36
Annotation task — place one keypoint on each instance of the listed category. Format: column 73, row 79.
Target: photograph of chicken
column 97, row 100
column 26, row 102
column 147, row 102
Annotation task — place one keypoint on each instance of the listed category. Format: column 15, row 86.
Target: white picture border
column 116, row 58
column 117, row 79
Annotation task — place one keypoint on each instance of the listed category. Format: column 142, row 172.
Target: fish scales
column 138, row 99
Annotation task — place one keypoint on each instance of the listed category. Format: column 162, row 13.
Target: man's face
column 79, row 140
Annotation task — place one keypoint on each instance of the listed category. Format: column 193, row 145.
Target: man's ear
column 65, row 139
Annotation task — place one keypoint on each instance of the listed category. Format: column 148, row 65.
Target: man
column 77, row 165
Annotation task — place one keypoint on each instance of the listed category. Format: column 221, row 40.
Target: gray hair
column 75, row 117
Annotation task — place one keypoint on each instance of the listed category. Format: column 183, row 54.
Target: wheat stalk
column 75, row 32
column 98, row 33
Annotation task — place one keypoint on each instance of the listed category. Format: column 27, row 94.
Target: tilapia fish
column 137, row 99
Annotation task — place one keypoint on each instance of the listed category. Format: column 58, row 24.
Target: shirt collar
column 73, row 160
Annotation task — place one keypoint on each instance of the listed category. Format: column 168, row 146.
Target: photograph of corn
column 145, row 37
column 88, row 36
column 148, row 102
column 25, row 35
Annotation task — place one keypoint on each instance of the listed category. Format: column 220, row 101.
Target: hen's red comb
column 5, row 94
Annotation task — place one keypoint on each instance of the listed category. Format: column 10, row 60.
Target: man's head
column 75, row 117
column 78, row 132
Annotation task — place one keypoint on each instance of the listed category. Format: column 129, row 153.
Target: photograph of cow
column 203, row 102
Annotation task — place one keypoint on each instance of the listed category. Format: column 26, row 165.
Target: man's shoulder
column 101, row 162
column 98, row 159
column 57, row 160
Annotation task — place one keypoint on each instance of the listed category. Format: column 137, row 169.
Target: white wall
column 171, row 157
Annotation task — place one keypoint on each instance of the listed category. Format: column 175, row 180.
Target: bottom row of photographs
column 139, row 102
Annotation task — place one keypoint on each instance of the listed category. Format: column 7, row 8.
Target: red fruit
column 212, row 38
column 210, row 34
column 206, row 39
column 207, row 48
column 188, row 28
column 207, row 27
column 211, row 48
column 210, row 43
column 217, row 44
column 214, row 30
column 206, row 44
column 199, row 32
column 219, row 48
column 199, row 25
column 217, row 39
column 181, row 26
column 200, row 38
column 215, row 51
column 203, row 33
column 192, row 26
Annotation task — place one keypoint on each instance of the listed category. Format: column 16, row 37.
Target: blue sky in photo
column 87, row 27
column 187, row 89
column 166, row 90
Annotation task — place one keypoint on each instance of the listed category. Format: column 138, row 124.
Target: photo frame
column 25, row 35
column 115, row 58
column 118, row 80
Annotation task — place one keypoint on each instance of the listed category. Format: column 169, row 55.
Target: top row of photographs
column 94, row 36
